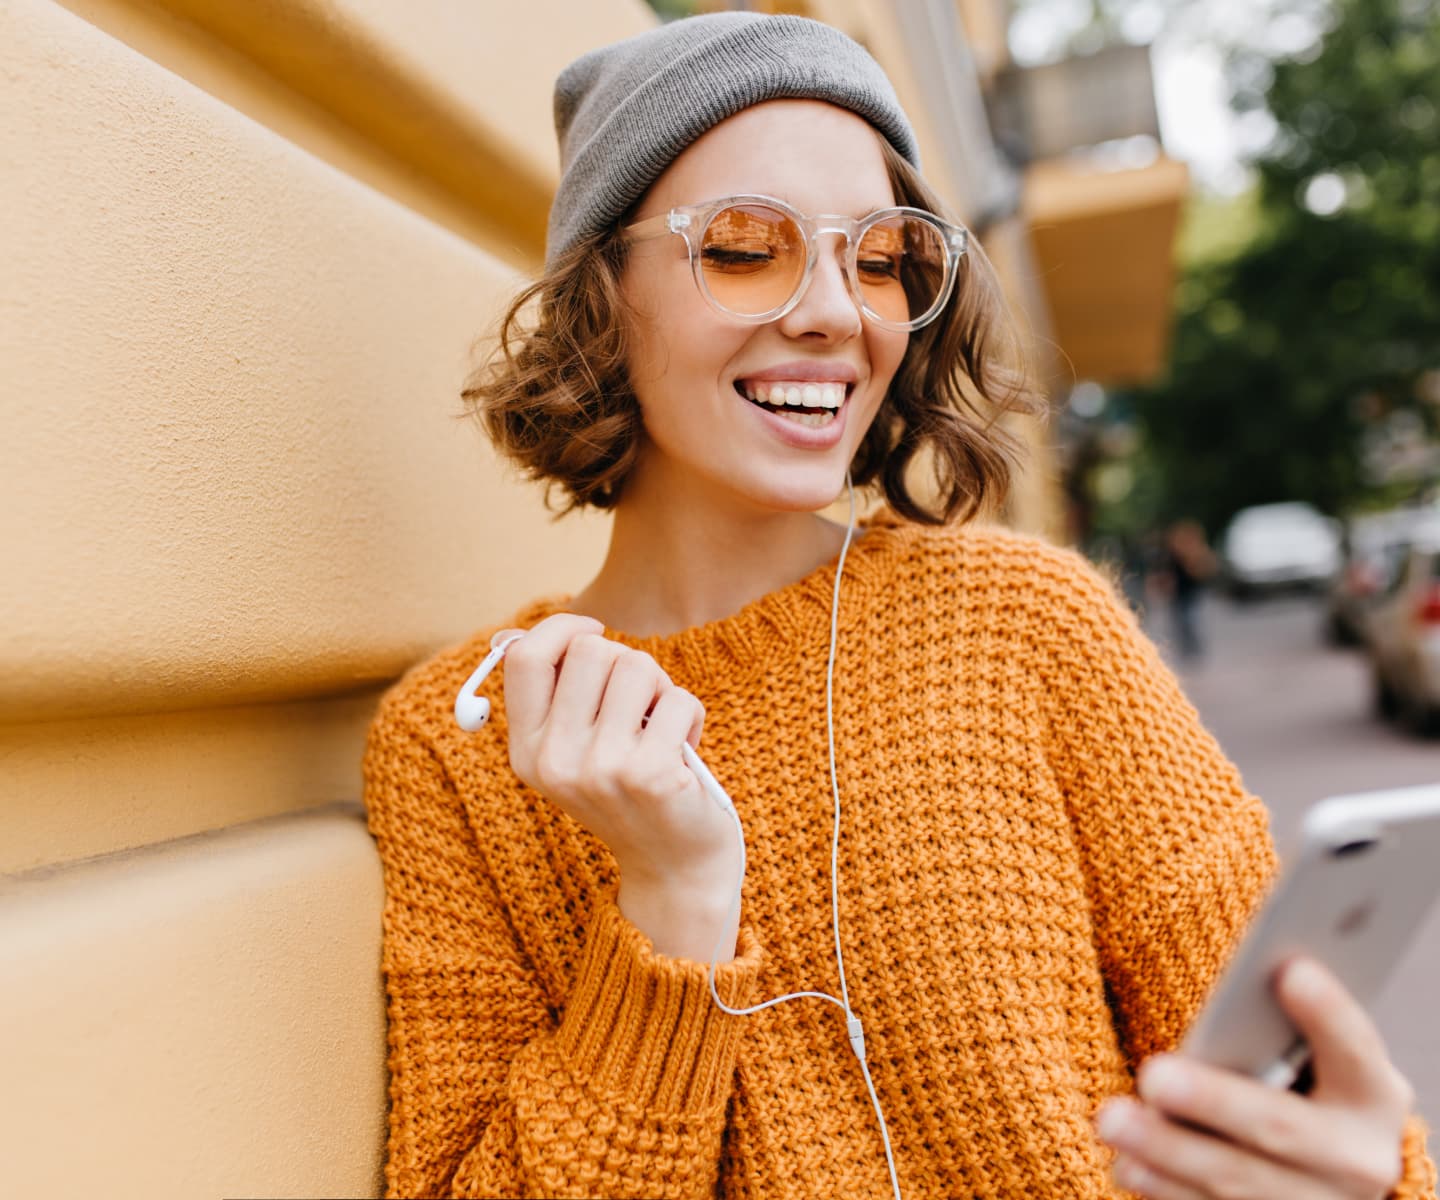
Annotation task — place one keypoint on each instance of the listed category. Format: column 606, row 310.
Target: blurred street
column 1295, row 715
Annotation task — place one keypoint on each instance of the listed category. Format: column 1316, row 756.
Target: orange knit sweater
column 1044, row 861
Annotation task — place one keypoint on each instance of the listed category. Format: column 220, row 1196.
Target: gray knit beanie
column 624, row 112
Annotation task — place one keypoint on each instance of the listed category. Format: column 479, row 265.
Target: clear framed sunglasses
column 753, row 256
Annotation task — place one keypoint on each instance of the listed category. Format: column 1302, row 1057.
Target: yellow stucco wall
column 443, row 105
column 197, row 1019
column 235, row 471
column 236, row 498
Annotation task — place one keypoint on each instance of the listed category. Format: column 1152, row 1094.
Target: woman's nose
column 826, row 309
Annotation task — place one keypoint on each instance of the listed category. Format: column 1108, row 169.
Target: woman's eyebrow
column 858, row 214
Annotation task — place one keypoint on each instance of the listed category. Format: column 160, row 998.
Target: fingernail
column 1164, row 1079
column 1112, row 1121
column 1130, row 1175
column 1304, row 980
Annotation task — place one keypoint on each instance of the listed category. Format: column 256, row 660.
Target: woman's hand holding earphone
column 597, row 728
column 1199, row 1133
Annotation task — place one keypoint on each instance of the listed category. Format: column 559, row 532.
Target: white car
column 1274, row 546
column 1402, row 634
column 1375, row 545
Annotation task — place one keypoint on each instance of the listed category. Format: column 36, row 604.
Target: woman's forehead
column 813, row 155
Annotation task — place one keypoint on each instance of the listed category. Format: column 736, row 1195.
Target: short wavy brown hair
column 555, row 395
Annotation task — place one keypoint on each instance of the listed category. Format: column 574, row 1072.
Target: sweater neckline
column 741, row 644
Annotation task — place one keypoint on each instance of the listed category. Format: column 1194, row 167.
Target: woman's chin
column 800, row 496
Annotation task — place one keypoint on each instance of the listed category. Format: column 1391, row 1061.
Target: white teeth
column 814, row 420
column 830, row 394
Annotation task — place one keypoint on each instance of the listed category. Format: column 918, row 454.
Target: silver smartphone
column 1353, row 896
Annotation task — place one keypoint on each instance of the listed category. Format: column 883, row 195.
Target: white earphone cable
column 472, row 711
column 854, row 1030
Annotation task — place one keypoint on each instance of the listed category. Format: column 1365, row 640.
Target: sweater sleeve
column 1177, row 854
column 493, row 1093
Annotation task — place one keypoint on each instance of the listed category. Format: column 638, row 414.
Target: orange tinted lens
column 753, row 258
column 900, row 264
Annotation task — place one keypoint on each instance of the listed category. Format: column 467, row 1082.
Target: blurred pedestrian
column 1188, row 566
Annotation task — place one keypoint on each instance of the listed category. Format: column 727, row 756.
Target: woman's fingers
column 659, row 767
column 1349, row 1057
column 643, row 765
column 592, row 719
column 1279, row 1124
column 677, row 717
column 1344, row 1137
column 531, row 665
column 1344, row 1144
column 580, row 689
column 635, row 684
column 644, row 720
column 1162, row 1158
column 1351, row 1144
column 1135, row 1175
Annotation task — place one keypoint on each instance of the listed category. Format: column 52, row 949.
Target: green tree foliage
column 1325, row 322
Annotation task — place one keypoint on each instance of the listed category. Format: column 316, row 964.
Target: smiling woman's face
column 697, row 372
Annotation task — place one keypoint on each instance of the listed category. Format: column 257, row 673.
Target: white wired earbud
column 472, row 711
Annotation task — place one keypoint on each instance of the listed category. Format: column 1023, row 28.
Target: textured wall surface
column 77, row 788
column 198, row 1019
column 238, row 301
column 232, row 448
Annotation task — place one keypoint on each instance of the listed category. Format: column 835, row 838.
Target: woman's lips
column 806, row 425
column 805, row 370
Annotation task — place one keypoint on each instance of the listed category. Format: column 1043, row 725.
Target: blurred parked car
column 1402, row 634
column 1374, row 546
column 1271, row 547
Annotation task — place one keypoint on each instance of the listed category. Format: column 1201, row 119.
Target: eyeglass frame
column 688, row 220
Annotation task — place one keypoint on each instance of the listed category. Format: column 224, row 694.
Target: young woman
column 1043, row 859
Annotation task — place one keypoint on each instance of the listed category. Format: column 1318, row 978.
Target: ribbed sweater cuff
column 644, row 1027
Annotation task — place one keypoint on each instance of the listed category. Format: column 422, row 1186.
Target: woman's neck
column 673, row 566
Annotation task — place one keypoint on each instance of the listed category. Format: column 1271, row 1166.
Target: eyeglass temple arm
column 670, row 222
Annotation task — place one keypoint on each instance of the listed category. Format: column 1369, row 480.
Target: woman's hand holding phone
column 597, row 728
column 1201, row 1133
